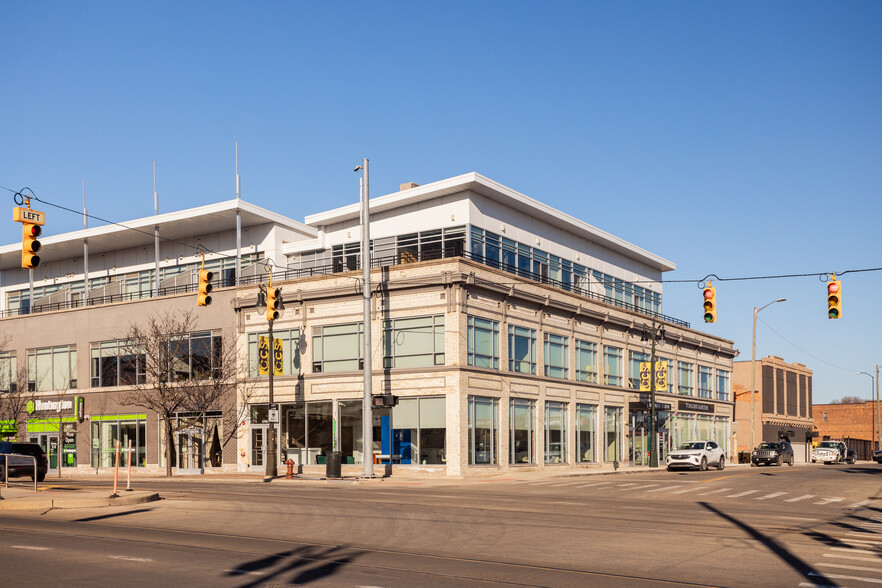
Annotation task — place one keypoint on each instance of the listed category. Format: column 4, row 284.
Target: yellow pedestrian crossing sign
column 661, row 376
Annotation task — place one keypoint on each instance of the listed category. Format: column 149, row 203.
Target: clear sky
column 738, row 139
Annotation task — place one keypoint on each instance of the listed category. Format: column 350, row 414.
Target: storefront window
column 107, row 430
column 586, row 427
column 555, row 432
column 196, row 438
column 351, row 434
column 307, row 431
column 612, row 419
column 483, row 430
column 522, row 425
column 419, row 430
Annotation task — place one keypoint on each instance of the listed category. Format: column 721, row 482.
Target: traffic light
column 30, row 245
column 710, row 304
column 273, row 303
column 205, row 288
column 834, row 299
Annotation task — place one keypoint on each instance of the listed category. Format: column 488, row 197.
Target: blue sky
column 737, row 139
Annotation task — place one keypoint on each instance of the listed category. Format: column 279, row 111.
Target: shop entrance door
column 191, row 451
column 49, row 443
column 259, row 436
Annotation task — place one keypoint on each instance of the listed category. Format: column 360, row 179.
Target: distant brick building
column 782, row 405
column 847, row 421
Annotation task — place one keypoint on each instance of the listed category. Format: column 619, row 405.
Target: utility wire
column 839, row 367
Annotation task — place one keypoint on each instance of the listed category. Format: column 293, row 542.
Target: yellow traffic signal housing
column 834, row 299
column 205, row 287
column 710, row 304
column 30, row 245
column 273, row 303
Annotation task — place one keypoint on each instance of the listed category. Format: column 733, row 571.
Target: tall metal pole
column 878, row 412
column 271, row 465
column 753, row 372
column 367, row 421
column 653, row 427
column 753, row 383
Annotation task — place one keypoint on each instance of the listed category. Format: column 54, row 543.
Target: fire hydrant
column 290, row 474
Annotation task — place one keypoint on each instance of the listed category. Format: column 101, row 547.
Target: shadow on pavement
column 330, row 559
column 794, row 562
column 115, row 514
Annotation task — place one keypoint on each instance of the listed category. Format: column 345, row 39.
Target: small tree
column 14, row 395
column 176, row 373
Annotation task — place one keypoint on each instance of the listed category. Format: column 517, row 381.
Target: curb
column 39, row 503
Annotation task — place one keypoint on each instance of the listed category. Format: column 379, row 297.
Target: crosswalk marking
column 798, row 498
column 767, row 496
column 693, row 489
column 715, row 491
column 853, row 550
column 854, row 557
column 844, row 577
column 829, row 500
column 628, row 484
column 739, row 495
column 846, row 567
column 859, row 504
column 663, row 488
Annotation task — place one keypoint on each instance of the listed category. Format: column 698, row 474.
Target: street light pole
column 654, row 333
column 753, row 373
column 367, row 420
column 872, row 385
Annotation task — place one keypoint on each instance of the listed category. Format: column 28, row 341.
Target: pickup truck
column 833, row 452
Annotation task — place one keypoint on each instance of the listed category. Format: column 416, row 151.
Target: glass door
column 190, row 451
column 258, row 447
column 49, row 443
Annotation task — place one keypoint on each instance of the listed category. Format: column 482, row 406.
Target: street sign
column 26, row 215
column 273, row 415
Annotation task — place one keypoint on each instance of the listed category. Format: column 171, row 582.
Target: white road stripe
column 859, row 504
column 693, row 489
column 715, row 491
column 628, row 484
column 663, row 488
column 767, row 496
column 837, row 556
column 30, row 547
column 843, row 577
column 798, row 498
column 848, row 540
column 813, row 585
column 645, row 487
column 592, row 484
column 853, row 550
column 829, row 500
column 845, row 567
column 129, row 558
column 739, row 495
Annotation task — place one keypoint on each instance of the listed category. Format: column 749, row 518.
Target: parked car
column 20, row 467
column 696, row 454
column 779, row 453
column 829, row 452
column 877, row 456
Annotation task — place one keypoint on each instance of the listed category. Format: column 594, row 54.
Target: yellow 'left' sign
column 26, row 215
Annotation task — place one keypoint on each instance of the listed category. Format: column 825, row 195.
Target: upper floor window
column 337, row 348
column 290, row 343
column 704, row 381
column 194, row 356
column 612, row 366
column 413, row 342
column 482, row 342
column 586, row 361
column 52, row 368
column 521, row 350
column 722, row 385
column 685, row 374
column 556, row 356
column 634, row 368
column 8, row 372
column 115, row 363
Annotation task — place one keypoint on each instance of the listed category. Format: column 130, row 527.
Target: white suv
column 696, row 454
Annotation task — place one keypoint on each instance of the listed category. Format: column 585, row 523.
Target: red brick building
column 848, row 421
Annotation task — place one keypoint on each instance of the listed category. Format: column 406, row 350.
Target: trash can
column 334, row 467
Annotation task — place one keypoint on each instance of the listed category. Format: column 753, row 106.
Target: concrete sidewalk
column 49, row 496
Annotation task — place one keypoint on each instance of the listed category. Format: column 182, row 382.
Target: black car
column 779, row 453
column 877, row 455
column 20, row 467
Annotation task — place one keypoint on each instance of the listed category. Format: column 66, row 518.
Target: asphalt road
column 808, row 525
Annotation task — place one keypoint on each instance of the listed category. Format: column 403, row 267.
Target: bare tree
column 178, row 373
column 14, row 393
column 849, row 400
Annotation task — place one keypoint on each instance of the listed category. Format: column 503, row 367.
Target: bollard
column 290, row 474
column 116, row 473
column 129, row 474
